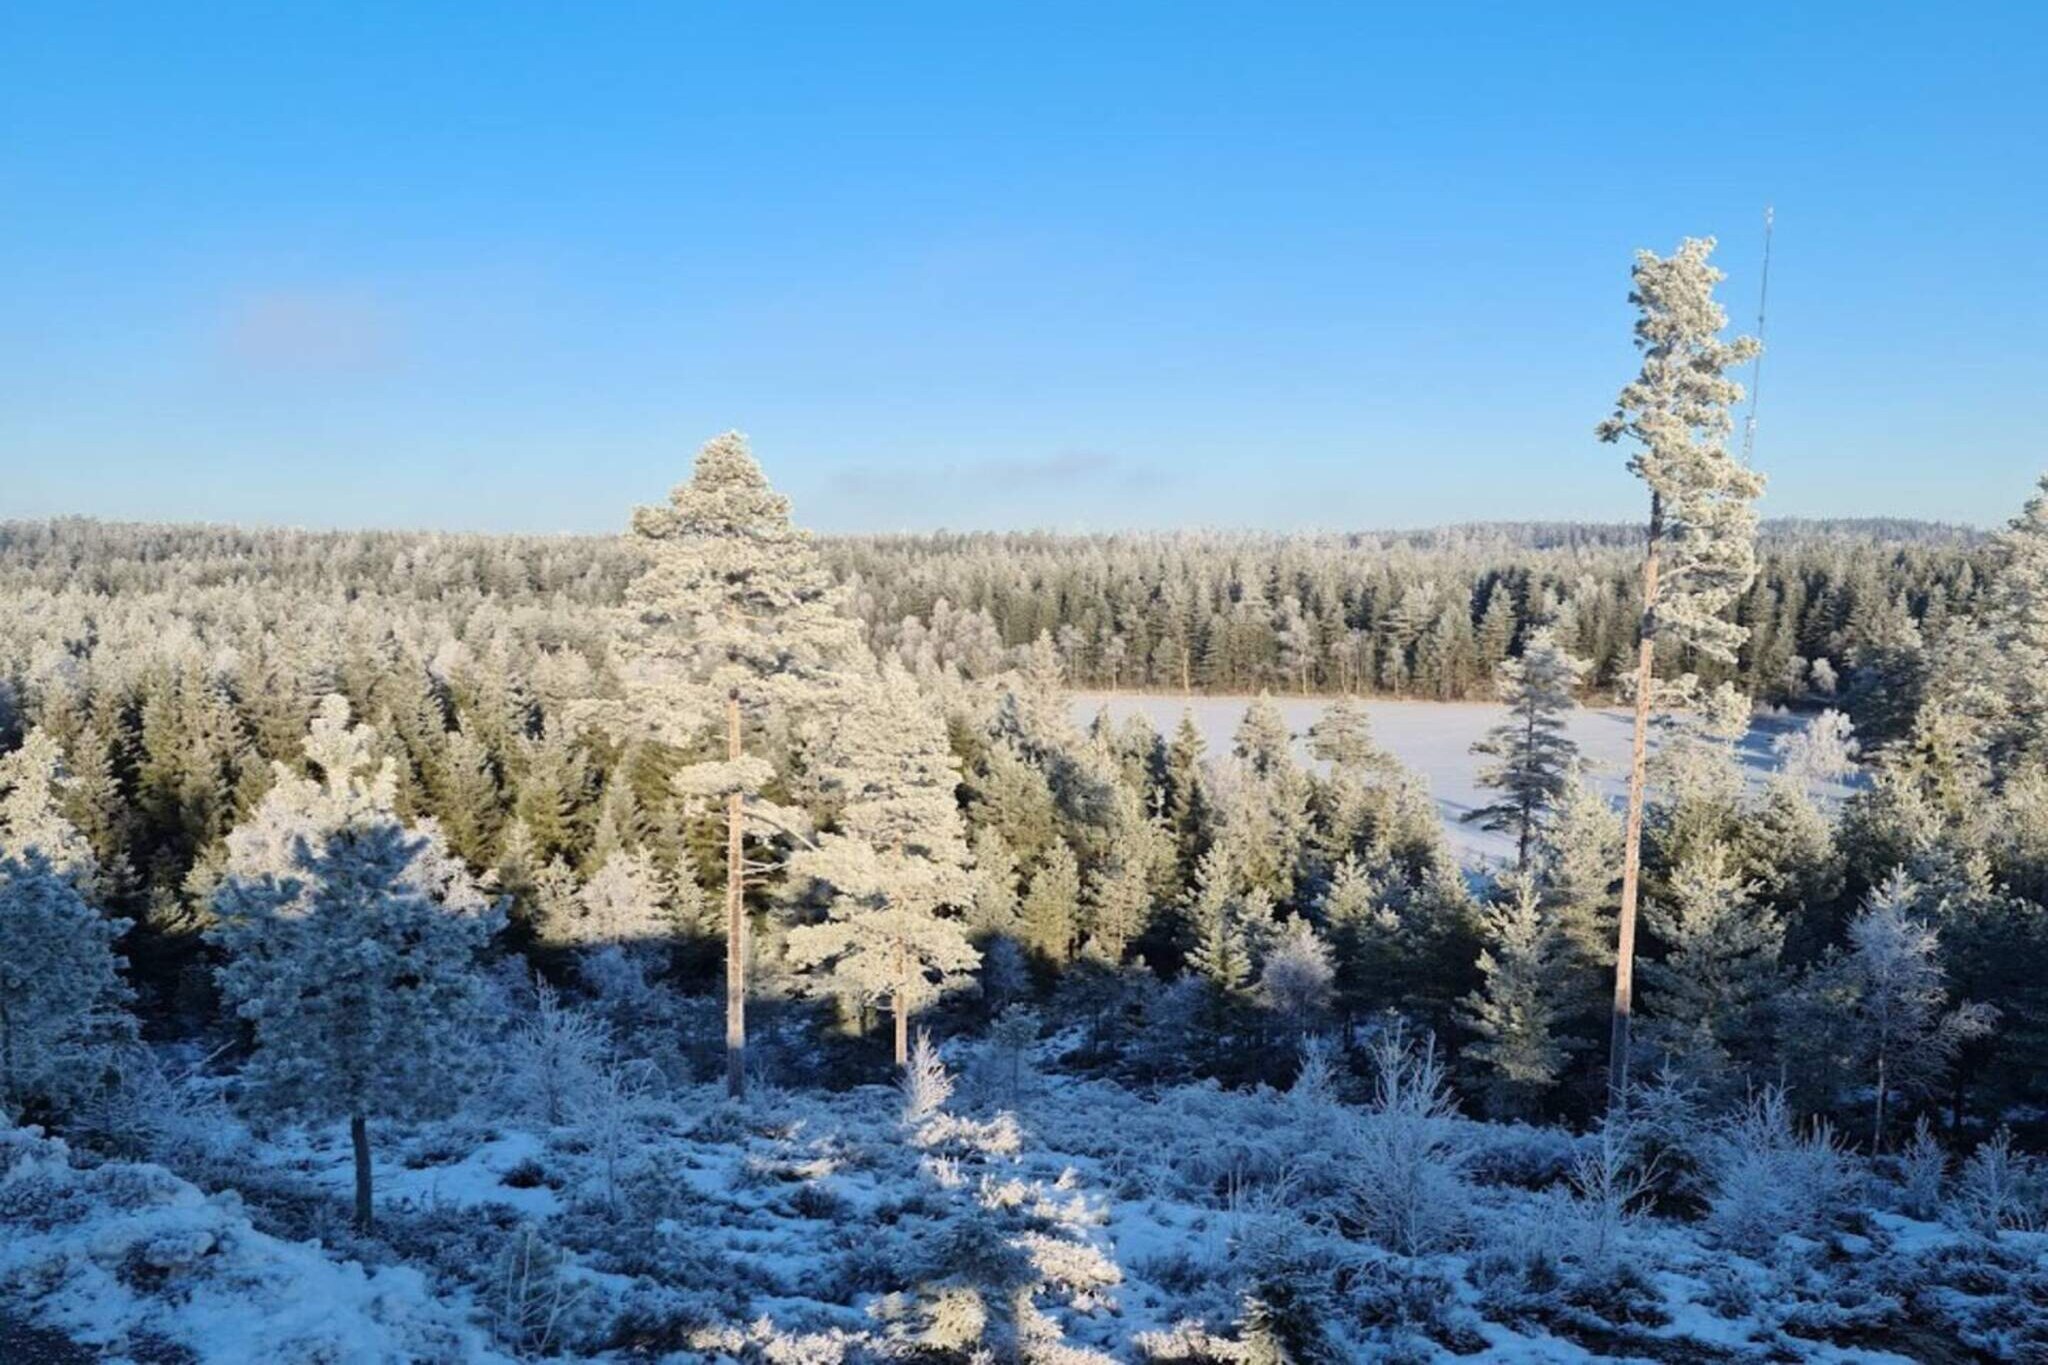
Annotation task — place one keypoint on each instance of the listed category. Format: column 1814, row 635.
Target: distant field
column 1433, row 739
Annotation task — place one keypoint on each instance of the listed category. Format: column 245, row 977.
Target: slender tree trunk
column 735, row 917
column 359, row 1139
column 1632, row 838
column 1528, row 794
column 1877, row 1123
column 902, row 1006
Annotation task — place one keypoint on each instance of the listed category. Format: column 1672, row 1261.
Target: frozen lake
column 1433, row 739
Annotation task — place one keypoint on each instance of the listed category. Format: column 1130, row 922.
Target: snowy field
column 1434, row 740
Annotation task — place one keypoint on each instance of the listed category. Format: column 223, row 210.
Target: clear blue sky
column 1069, row 265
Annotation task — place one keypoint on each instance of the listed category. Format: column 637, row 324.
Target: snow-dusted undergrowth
column 1035, row 1214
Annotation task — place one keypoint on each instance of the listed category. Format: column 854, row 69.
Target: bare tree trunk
column 1632, row 839
column 359, row 1139
column 901, row 1006
column 735, row 917
column 1877, row 1123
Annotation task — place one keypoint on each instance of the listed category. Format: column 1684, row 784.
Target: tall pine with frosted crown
column 1533, row 756
column 733, row 617
column 896, row 857
column 350, row 945
column 1700, row 554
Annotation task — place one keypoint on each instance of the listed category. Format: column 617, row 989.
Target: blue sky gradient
column 1066, row 265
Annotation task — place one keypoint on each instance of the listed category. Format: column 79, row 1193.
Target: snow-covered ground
column 1434, row 740
column 807, row 1228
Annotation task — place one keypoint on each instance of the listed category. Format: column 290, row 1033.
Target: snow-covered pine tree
column 733, row 617
column 349, row 945
column 1342, row 738
column 1711, row 995
column 33, row 781
column 1533, row 756
column 1701, row 549
column 61, row 993
column 1518, row 1009
column 896, row 857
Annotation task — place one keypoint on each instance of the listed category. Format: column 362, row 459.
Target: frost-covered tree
column 621, row 905
column 1342, row 737
column 733, row 615
column 1297, row 977
column 2016, row 617
column 1888, row 993
column 1051, row 905
column 1517, row 1013
column 896, row 858
column 1821, row 752
column 1710, row 997
column 1533, row 755
column 349, row 946
column 1219, row 952
column 61, row 994
column 33, row 783
column 1701, row 551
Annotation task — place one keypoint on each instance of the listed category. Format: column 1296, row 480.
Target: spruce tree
column 1518, row 1009
column 1049, row 914
column 732, row 619
column 1701, row 547
column 1533, row 755
column 1711, row 995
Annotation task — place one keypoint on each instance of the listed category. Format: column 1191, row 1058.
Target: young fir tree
column 733, row 617
column 1518, row 1010
column 1701, row 550
column 1711, row 996
column 1051, row 906
column 896, row 858
column 350, row 946
column 1534, row 757
column 61, row 994
column 1220, row 950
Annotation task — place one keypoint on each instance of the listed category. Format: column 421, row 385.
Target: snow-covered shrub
column 1408, row 1185
column 532, row 1294
column 603, row 1113
column 1922, row 1168
column 1999, row 1189
column 925, row 1084
column 1610, row 1183
column 1769, row 1179
column 1315, row 1078
column 554, row 1057
column 148, row 1111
